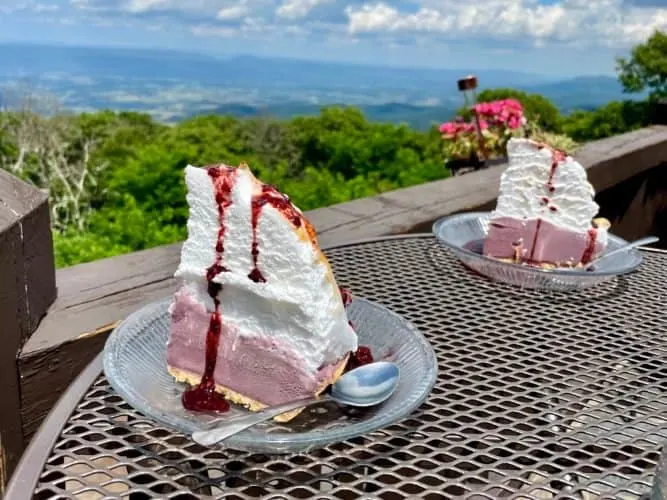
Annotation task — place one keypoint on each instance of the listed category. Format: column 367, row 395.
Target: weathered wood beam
column 94, row 296
column 27, row 289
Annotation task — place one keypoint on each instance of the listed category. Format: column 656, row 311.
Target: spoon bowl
column 367, row 385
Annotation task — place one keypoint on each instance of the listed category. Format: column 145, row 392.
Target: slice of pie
column 545, row 210
column 258, row 319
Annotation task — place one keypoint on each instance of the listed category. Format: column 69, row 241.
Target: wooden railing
column 47, row 340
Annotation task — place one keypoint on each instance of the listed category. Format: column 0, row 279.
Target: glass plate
column 470, row 229
column 135, row 365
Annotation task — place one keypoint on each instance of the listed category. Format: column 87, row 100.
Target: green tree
column 343, row 141
column 616, row 117
column 646, row 68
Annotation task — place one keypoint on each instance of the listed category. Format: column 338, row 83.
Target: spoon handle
column 233, row 426
column 637, row 243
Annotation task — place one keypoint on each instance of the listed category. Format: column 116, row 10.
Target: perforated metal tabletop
column 540, row 395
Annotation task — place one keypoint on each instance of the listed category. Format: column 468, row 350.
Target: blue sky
column 555, row 37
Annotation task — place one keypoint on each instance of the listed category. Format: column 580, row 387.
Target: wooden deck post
column 27, row 289
column 659, row 115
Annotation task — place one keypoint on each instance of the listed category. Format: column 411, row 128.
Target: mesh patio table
column 540, row 395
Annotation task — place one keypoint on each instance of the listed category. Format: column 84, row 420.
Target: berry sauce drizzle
column 203, row 396
column 590, row 246
column 362, row 356
column 346, row 295
column 557, row 157
column 280, row 202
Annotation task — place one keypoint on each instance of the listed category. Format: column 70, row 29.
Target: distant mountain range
column 174, row 85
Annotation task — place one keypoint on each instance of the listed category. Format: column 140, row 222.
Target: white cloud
column 295, row 9
column 206, row 8
column 606, row 22
column 382, row 17
column 532, row 23
column 29, row 5
column 297, row 31
column 233, row 12
column 45, row 7
column 214, row 31
column 144, row 5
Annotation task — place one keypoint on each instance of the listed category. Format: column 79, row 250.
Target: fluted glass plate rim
column 122, row 336
column 441, row 223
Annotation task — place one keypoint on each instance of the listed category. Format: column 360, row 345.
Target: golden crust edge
column 249, row 403
column 601, row 223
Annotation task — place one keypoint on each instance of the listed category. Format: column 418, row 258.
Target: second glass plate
column 464, row 235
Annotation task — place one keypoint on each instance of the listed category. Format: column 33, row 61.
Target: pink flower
column 483, row 124
column 514, row 122
column 487, row 108
column 500, row 112
column 514, row 105
column 449, row 128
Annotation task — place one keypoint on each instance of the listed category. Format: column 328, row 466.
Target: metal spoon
column 368, row 385
column 637, row 243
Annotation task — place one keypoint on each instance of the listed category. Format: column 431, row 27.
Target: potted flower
column 482, row 141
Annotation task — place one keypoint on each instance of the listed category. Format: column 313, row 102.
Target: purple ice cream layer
column 539, row 241
column 260, row 368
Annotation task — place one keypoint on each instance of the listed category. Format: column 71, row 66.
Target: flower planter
column 493, row 125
